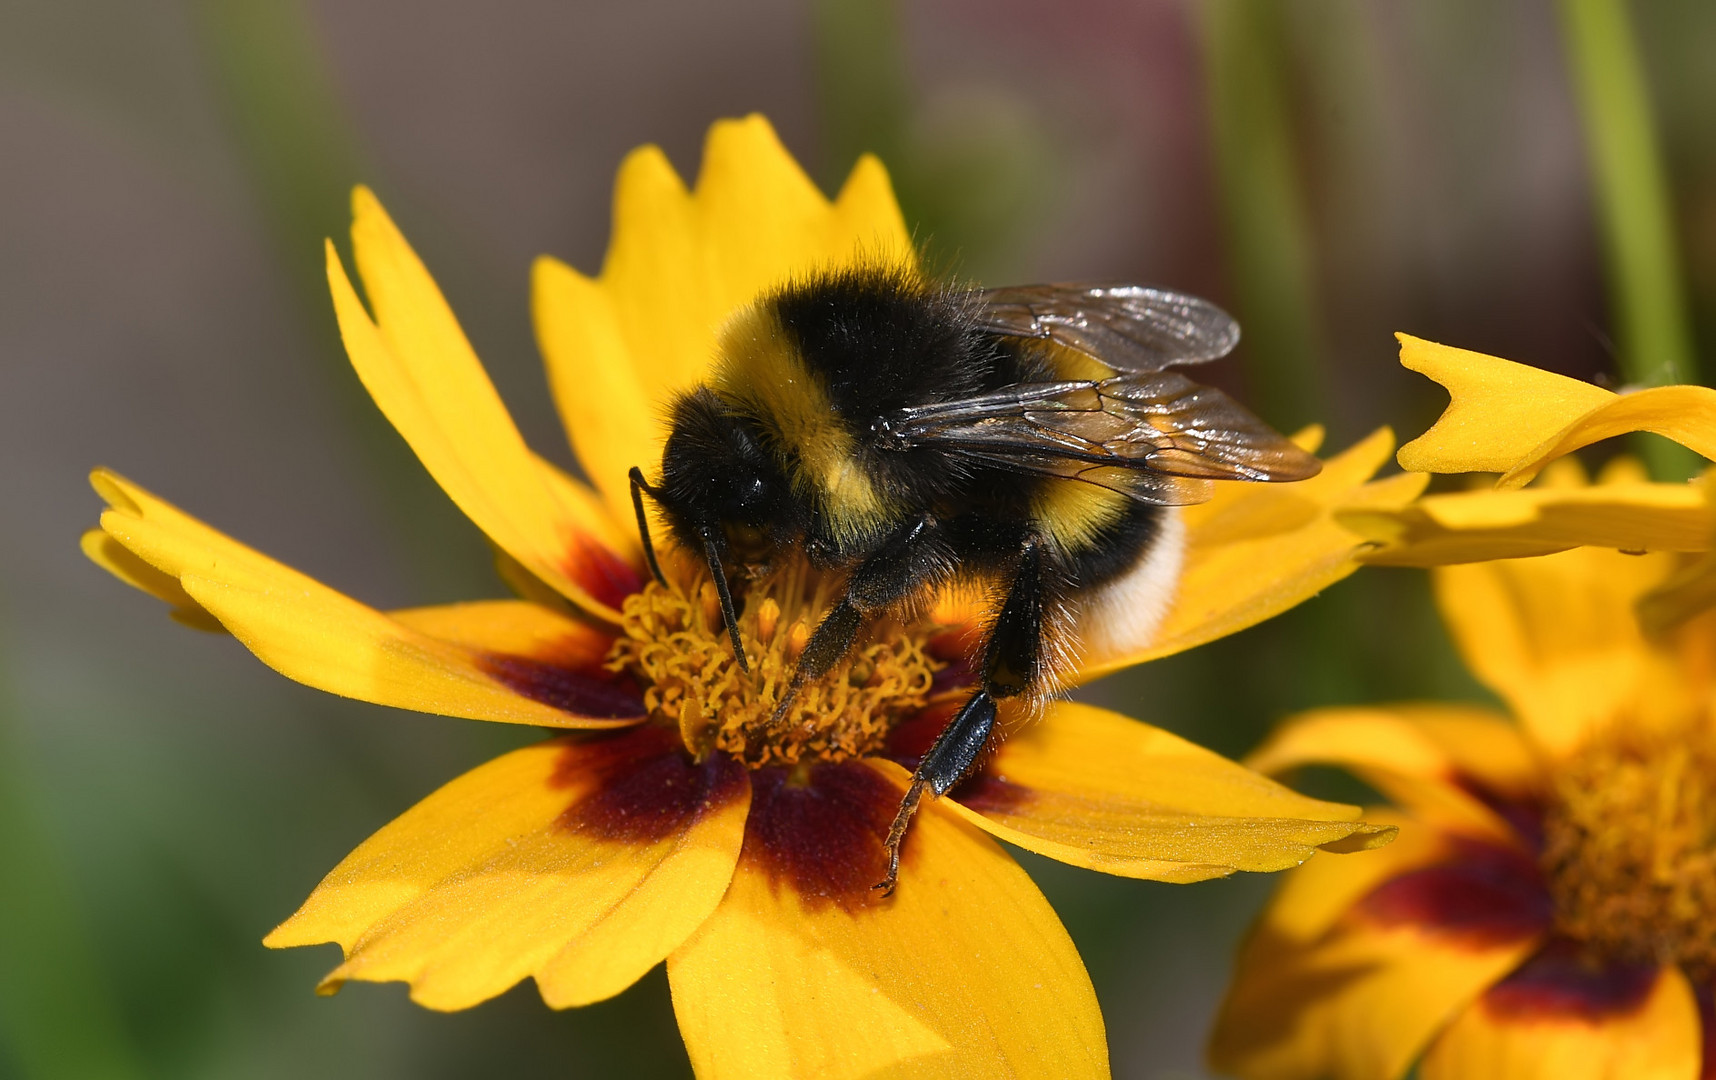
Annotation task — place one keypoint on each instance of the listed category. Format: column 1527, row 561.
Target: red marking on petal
column 1483, row 895
column 571, row 679
column 607, row 577
column 823, row 835
column 641, row 785
column 1564, row 982
column 983, row 790
column 911, row 738
column 957, row 645
column 959, row 676
column 987, row 793
column 1523, row 812
column 1705, row 995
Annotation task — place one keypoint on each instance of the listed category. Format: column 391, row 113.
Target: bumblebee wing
column 1139, row 434
column 1130, row 328
column 1140, row 485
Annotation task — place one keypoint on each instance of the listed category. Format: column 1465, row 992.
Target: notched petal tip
column 111, row 555
column 112, row 488
column 1498, row 411
column 1366, row 837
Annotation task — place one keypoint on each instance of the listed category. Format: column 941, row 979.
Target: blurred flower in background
column 743, row 854
column 1549, row 909
column 1331, row 171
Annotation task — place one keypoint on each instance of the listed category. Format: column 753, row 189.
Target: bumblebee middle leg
column 913, row 557
column 1013, row 665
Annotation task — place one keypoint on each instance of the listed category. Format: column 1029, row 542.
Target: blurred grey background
column 1334, row 170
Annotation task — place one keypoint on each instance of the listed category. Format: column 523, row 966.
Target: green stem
column 1267, row 231
column 1646, row 292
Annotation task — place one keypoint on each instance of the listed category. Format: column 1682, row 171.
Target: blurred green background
column 1532, row 179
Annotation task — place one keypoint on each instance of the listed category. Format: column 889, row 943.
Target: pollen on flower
column 675, row 644
column 1630, row 848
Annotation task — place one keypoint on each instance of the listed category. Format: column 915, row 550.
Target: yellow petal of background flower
column 1686, row 414
column 1319, row 994
column 1423, row 757
column 679, row 265
column 503, row 874
column 1554, row 636
column 1684, row 595
column 1096, row 789
column 964, row 972
column 1498, row 412
column 414, row 360
column 307, row 631
column 1256, row 550
column 1658, row 1039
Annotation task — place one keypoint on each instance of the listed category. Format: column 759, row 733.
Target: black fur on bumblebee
column 907, row 435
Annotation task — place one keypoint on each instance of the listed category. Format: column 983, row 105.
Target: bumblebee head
column 719, row 483
column 722, row 493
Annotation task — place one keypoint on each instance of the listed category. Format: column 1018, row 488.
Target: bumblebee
column 907, row 435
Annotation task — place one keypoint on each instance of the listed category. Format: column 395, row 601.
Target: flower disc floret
column 1630, row 847
column 675, row 644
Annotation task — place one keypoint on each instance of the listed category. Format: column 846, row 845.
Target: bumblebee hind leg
column 1013, row 663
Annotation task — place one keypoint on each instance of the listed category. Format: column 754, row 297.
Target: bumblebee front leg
column 1012, row 665
column 913, row 556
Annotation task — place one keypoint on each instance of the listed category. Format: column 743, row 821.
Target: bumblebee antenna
column 712, row 553
column 639, row 486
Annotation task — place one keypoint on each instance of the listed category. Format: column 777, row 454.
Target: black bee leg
column 913, row 557
column 1012, row 665
column 950, row 757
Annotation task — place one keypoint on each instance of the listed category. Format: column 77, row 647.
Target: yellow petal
column 1499, row 411
column 1454, row 766
column 319, row 637
column 964, row 972
column 613, row 422
column 582, row 863
column 1256, row 550
column 1581, row 1026
column 1096, row 789
column 1336, row 982
column 1554, row 636
column 417, row 365
column 679, row 265
column 1477, row 525
column 112, row 556
column 1686, row 414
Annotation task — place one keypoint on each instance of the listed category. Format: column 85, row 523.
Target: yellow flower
column 1549, row 908
column 676, row 824
column 1518, row 421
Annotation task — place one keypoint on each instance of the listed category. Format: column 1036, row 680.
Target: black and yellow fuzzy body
column 908, row 435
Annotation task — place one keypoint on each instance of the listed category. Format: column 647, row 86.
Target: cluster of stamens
column 675, row 643
column 1630, row 847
